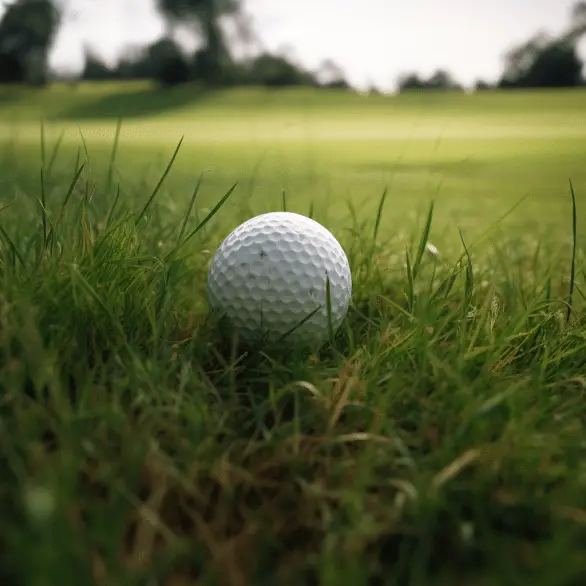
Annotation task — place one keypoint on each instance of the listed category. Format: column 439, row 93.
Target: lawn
column 439, row 439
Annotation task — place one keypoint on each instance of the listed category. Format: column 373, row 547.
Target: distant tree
column 331, row 75
column 204, row 18
column 481, row 85
column 578, row 23
column 543, row 61
column 276, row 71
column 440, row 80
column 27, row 31
column 95, row 69
column 134, row 64
column 167, row 63
column 410, row 81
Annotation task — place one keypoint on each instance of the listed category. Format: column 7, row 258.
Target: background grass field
column 438, row 440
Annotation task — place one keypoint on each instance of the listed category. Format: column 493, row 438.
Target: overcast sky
column 467, row 37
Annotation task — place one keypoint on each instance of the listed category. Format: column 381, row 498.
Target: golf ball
column 270, row 274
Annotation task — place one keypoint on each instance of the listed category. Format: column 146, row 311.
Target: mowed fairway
column 438, row 439
column 477, row 155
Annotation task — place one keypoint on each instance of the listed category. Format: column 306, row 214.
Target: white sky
column 467, row 37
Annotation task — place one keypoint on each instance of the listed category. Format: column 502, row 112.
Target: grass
column 438, row 439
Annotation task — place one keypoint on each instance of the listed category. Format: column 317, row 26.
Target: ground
column 438, row 439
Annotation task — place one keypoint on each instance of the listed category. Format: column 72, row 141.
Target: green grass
column 438, row 439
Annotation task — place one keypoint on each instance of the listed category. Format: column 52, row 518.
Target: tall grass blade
column 43, row 207
column 114, row 153
column 190, row 207
column 329, row 309
column 469, row 286
column 149, row 202
column 210, row 215
column 410, row 283
column 574, row 244
column 423, row 240
column 14, row 250
column 66, row 199
column 55, row 152
column 379, row 213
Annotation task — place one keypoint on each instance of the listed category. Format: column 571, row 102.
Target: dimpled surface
column 270, row 273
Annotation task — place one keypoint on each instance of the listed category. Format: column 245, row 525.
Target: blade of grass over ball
column 329, row 308
column 311, row 211
column 284, row 199
column 574, row 244
column 297, row 325
column 423, row 240
column 149, row 202
column 210, row 215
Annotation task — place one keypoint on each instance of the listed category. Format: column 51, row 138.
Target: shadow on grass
column 134, row 104
column 13, row 93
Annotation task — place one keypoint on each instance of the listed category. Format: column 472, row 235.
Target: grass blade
column 469, row 275
column 211, row 214
column 114, row 153
column 113, row 206
column 423, row 241
column 284, row 200
column 11, row 245
column 574, row 244
column 297, row 326
column 87, row 153
column 410, row 284
column 43, row 207
column 190, row 207
column 379, row 214
column 55, row 152
column 329, row 309
column 43, row 143
column 66, row 199
column 148, row 204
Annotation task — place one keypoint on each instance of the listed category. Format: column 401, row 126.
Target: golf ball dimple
column 270, row 274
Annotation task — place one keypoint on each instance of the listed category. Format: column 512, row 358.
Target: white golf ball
column 270, row 274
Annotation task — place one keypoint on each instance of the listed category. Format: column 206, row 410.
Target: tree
column 578, row 23
column 440, row 80
column 276, row 71
column 27, row 31
column 167, row 63
column 331, row 75
column 204, row 17
column 543, row 61
column 95, row 69
column 410, row 81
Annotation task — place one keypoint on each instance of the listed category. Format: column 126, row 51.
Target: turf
column 438, row 440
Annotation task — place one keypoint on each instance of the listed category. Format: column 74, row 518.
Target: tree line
column 28, row 29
